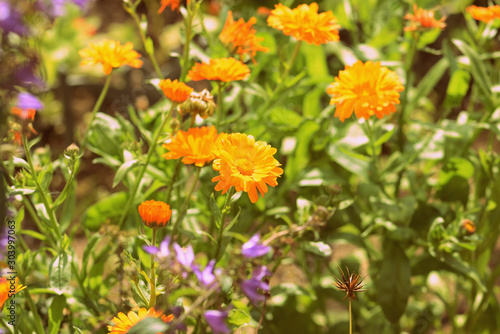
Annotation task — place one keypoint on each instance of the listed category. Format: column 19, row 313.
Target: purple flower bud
column 206, row 277
column 28, row 101
column 162, row 251
column 217, row 321
column 185, row 256
column 252, row 248
column 254, row 286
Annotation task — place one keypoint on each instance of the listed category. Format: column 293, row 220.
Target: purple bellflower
column 10, row 19
column 217, row 321
column 162, row 251
column 253, row 247
column 254, row 286
column 206, row 276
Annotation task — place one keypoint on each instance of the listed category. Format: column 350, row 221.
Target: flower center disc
column 244, row 166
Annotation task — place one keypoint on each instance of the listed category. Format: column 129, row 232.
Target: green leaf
column 18, row 162
column 34, row 234
column 285, row 119
column 217, row 214
column 393, row 283
column 60, row 272
column 56, row 313
column 317, row 69
column 148, row 325
column 238, row 318
column 89, row 250
column 457, row 88
column 318, row 248
column 123, row 170
column 300, row 158
column 45, row 177
column 477, row 68
column 453, row 180
column 77, row 330
column 110, row 207
column 354, row 162
column 23, row 191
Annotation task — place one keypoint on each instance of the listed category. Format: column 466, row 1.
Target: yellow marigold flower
column 173, row 4
column 240, row 36
column 423, row 19
column 111, row 54
column 223, row 69
column 123, row 323
column 245, row 164
column 196, row 145
column 305, row 24
column 485, row 14
column 367, row 89
column 155, row 214
column 7, row 289
column 176, row 91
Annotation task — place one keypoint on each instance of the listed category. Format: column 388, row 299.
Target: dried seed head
column 350, row 284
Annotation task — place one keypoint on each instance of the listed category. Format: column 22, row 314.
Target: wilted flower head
column 350, row 284
column 155, row 214
column 195, row 146
column 255, row 288
column 198, row 103
column 367, row 89
column 123, row 323
column 305, row 24
column 253, row 247
column 176, row 91
column 160, row 252
column 111, row 54
column 240, row 37
column 484, row 14
column 423, row 19
column 217, row 321
column 246, row 164
column 221, row 69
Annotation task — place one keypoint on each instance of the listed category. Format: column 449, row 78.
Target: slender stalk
column 375, row 162
column 97, row 106
column 151, row 149
column 42, row 193
column 193, row 306
column 220, row 100
column 261, row 316
column 174, row 177
column 183, row 209
column 191, row 10
column 89, row 300
column 225, row 210
column 152, row 299
column 350, row 317
column 36, row 316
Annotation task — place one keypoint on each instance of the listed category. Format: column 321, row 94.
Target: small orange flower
column 423, row 19
column 173, row 4
column 155, row 214
column 240, row 36
column 196, row 145
column 27, row 114
column 264, row 11
column 367, row 89
column 485, row 14
column 111, row 54
column 176, row 91
column 245, row 164
column 469, row 226
column 123, row 323
column 305, row 24
column 223, row 69
column 6, row 288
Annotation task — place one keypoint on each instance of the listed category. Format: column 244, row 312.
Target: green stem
column 220, row 101
column 90, row 301
column 149, row 50
column 5, row 325
column 350, row 317
column 191, row 10
column 36, row 316
column 42, row 193
column 174, row 177
column 225, row 210
column 97, row 106
column 183, row 209
column 138, row 180
column 375, row 162
column 152, row 299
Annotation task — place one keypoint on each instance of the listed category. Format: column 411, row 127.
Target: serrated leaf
column 123, row 170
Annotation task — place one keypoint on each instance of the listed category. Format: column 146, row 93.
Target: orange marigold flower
column 123, row 323
column 469, row 226
column 173, row 4
column 155, row 214
column 176, row 91
column 6, row 288
column 423, row 19
column 305, row 24
column 264, row 11
column 485, row 14
column 223, row 69
column 240, row 36
column 245, row 164
column 367, row 89
column 111, row 54
column 196, row 145
column 23, row 113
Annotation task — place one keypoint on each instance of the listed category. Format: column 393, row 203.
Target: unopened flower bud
column 174, row 125
column 469, row 226
column 72, row 150
column 199, row 104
